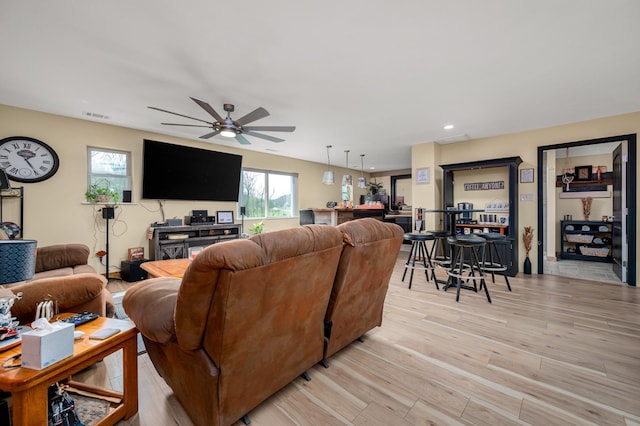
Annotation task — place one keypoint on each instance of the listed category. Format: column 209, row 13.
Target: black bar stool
column 491, row 260
column 440, row 251
column 465, row 264
column 420, row 253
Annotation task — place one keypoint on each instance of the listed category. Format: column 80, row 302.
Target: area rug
column 90, row 410
column 121, row 314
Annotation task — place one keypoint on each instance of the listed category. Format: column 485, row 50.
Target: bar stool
column 494, row 262
column 440, row 245
column 465, row 264
column 419, row 252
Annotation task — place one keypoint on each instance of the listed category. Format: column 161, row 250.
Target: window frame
column 294, row 193
column 108, row 176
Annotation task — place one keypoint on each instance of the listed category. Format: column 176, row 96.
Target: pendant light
column 347, row 179
column 327, row 178
column 362, row 181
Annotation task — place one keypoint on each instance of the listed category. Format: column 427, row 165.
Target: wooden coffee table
column 166, row 268
column 29, row 387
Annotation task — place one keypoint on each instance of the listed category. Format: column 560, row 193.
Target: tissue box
column 41, row 348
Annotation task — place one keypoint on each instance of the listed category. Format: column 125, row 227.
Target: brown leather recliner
column 246, row 319
column 63, row 275
column 361, row 283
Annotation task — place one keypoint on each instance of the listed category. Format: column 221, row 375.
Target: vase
column 586, row 217
column 527, row 266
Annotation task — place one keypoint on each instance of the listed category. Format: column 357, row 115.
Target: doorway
column 620, row 201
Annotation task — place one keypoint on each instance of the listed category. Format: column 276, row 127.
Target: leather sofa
column 62, row 275
column 360, row 285
column 248, row 317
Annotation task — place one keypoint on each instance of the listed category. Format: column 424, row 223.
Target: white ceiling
column 370, row 76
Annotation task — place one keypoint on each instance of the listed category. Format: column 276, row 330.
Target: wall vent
column 95, row 115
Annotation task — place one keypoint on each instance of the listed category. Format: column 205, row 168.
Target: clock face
column 27, row 160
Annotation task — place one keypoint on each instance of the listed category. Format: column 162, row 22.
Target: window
column 268, row 194
column 110, row 165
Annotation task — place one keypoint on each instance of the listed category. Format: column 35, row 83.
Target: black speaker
column 126, row 196
column 243, row 210
column 108, row 212
column 131, row 271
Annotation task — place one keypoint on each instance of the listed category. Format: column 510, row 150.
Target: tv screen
column 176, row 172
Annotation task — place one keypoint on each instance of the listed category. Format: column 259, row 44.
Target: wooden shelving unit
column 482, row 227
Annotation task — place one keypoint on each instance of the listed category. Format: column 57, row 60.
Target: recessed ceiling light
column 448, row 126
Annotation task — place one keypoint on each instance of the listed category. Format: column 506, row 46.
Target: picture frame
column 526, row 176
column 423, row 175
column 583, row 173
column 225, row 216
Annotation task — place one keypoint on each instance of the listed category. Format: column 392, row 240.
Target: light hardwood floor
column 554, row 351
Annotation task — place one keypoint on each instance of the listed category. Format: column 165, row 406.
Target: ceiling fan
column 229, row 127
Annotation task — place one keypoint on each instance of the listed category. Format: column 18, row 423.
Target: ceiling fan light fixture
column 228, row 133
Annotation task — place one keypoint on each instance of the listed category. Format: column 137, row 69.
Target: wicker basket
column 595, row 251
column 579, row 238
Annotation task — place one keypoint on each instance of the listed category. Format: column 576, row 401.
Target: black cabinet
column 403, row 221
column 176, row 242
column 586, row 240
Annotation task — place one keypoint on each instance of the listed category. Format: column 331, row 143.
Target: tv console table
column 175, row 242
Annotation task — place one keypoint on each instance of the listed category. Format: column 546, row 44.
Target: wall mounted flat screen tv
column 177, row 172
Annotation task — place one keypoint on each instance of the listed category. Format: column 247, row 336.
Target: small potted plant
column 101, row 192
column 373, row 191
column 257, row 228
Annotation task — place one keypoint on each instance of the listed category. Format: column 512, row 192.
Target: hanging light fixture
column 362, row 181
column 346, row 179
column 327, row 178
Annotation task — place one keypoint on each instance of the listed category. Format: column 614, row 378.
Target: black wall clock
column 27, row 160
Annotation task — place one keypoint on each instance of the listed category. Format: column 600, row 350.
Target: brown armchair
column 245, row 320
column 361, row 282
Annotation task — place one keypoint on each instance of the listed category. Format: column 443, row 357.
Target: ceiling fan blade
column 188, row 125
column 205, row 106
column 181, row 115
column 256, row 114
column 242, row 140
column 271, row 128
column 210, row 135
column 267, row 137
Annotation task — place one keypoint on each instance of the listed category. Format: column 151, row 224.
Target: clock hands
column 26, row 154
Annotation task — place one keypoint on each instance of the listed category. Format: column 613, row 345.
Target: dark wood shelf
column 593, row 230
column 586, row 183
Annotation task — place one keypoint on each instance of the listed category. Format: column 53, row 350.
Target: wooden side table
column 29, row 387
column 166, row 268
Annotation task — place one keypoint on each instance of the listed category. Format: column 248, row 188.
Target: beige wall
column 525, row 145
column 54, row 211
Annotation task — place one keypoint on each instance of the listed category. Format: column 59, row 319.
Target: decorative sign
column 484, row 186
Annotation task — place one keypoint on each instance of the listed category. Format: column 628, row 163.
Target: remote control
column 81, row 318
